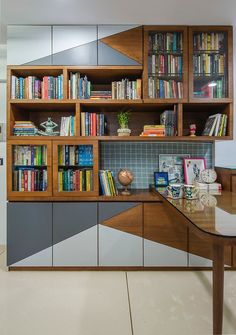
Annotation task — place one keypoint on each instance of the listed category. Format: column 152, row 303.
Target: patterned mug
column 190, row 192
column 175, row 191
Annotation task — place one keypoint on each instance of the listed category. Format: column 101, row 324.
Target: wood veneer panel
column 129, row 43
column 165, row 225
column 129, row 221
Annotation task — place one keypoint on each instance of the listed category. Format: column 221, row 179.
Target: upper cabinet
column 210, row 63
column 74, row 45
column 120, row 45
column 165, row 63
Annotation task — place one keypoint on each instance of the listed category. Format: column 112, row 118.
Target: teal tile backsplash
column 142, row 158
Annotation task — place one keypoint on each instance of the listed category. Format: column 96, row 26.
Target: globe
column 125, row 178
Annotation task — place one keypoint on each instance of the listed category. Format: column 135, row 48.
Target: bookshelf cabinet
column 75, row 168
column 29, row 168
column 210, row 64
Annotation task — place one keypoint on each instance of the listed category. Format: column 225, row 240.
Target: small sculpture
column 48, row 125
column 125, row 178
column 192, row 129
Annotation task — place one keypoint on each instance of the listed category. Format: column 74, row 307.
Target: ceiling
column 116, row 12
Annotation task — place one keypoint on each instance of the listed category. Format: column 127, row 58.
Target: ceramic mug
column 175, row 191
column 190, row 192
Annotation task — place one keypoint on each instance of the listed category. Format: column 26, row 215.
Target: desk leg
column 218, row 287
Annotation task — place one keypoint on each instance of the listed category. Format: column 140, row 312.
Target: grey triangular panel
column 85, row 54
column 108, row 210
column 110, row 56
column 72, row 218
column 41, row 61
column 29, row 229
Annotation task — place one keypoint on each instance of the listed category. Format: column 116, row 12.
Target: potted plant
column 123, row 120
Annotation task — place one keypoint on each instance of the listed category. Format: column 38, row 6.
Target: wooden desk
column 216, row 225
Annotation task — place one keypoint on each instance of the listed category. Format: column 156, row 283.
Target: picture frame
column 173, row 165
column 161, row 179
column 193, row 168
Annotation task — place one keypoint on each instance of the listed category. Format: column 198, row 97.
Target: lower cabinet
column 29, row 234
column 75, row 233
column 120, row 234
column 165, row 236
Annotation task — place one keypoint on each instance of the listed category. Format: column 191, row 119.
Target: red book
column 32, row 181
column 45, row 93
column 94, row 124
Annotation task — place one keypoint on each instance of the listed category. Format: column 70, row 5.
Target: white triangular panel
column 78, row 250
column 157, row 254
column 41, row 258
column 195, row 260
column 117, row 248
column 105, row 31
column 67, row 37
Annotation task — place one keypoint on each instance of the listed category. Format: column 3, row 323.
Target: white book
column 13, row 86
column 217, row 124
column 215, row 116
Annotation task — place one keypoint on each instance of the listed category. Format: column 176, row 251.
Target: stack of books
column 153, row 130
column 209, row 187
column 107, row 183
column 216, row 125
column 126, row 89
column 79, row 87
column 169, row 119
column 24, row 128
column 29, row 179
column 162, row 89
column 32, row 87
column 75, row 180
column 67, row 126
column 208, row 41
column 75, row 155
column 168, row 64
column 92, row 124
column 213, row 89
column 30, row 155
column 96, row 95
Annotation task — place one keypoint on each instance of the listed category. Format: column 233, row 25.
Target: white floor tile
column 59, row 303
column 169, row 303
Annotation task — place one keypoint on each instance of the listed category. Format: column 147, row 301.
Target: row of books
column 107, row 183
column 166, row 64
column 67, row 127
column 75, row 180
column 92, row 124
column 100, row 94
column 209, row 41
column 75, row 155
column 216, row 125
column 24, row 128
column 169, row 119
column 158, row 88
column 32, row 87
column 29, row 155
column 126, row 89
column 213, row 89
column 79, row 87
column 209, row 64
column 29, row 180
column 153, row 130
column 166, row 41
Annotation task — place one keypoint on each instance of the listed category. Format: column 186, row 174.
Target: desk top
column 214, row 214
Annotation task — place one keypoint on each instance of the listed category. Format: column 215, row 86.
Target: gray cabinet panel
column 29, row 44
column 74, row 45
column 75, row 234
column 108, row 210
column 29, row 231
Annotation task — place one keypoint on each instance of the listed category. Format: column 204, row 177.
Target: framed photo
column 193, row 168
column 173, row 165
column 161, row 179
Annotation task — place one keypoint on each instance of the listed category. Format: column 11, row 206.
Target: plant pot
column 123, row 132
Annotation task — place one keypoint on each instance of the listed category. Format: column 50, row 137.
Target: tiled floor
column 111, row 303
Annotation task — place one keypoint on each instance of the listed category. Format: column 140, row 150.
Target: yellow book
column 88, row 188
column 81, row 180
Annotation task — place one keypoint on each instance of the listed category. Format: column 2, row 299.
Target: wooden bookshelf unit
column 56, row 196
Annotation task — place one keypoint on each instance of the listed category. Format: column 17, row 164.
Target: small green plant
column 123, row 119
